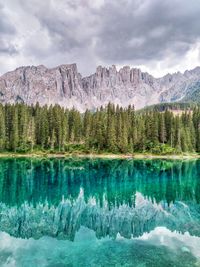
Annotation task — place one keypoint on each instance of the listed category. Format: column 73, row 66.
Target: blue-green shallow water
column 67, row 212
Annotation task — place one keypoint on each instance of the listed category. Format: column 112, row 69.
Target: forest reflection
column 116, row 181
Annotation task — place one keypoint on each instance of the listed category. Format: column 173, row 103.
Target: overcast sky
column 159, row 36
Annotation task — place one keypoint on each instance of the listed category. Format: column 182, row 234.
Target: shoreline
column 96, row 155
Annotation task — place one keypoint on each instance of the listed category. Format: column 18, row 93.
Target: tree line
column 112, row 129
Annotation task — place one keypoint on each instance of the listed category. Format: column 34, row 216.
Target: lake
column 82, row 212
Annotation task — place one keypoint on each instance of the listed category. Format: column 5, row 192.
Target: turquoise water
column 79, row 212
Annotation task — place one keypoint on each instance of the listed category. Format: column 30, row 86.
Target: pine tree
column 111, row 129
column 2, row 129
column 22, row 126
column 65, row 131
column 14, row 135
column 141, row 142
column 31, row 133
column 162, row 129
column 178, row 135
column 87, row 134
column 44, row 129
column 52, row 140
column 124, row 133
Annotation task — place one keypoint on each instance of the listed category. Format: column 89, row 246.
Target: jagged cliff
column 64, row 85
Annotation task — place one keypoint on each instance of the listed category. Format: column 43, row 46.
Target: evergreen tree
column 115, row 129
column 162, row 129
column 178, row 135
column 31, row 133
column 44, row 129
column 2, row 129
column 14, row 135
column 111, row 129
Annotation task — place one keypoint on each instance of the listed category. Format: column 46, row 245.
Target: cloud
column 7, row 48
column 148, row 30
column 6, row 26
column 7, row 30
column 158, row 36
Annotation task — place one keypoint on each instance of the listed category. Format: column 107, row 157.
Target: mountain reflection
column 57, row 196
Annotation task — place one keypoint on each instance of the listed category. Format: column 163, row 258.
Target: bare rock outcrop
column 64, row 85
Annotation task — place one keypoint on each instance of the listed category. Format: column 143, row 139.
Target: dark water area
column 81, row 212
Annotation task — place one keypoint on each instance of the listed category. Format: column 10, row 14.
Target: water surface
column 80, row 212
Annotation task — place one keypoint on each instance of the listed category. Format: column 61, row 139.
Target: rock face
column 64, row 85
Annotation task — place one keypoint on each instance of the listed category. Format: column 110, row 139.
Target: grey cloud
column 179, row 21
column 7, row 48
column 7, row 31
column 92, row 32
column 71, row 28
column 6, row 26
column 69, row 25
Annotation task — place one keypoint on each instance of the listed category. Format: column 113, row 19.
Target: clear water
column 79, row 212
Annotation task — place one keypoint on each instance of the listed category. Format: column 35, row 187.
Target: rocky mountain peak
column 64, row 85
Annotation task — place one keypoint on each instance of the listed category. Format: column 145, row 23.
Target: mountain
column 193, row 94
column 64, row 85
column 178, row 86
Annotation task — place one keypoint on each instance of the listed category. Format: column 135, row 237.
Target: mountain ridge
column 64, row 85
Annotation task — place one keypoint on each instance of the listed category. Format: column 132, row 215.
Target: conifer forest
column 110, row 129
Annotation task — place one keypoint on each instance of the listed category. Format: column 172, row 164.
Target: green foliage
column 174, row 106
column 110, row 129
column 163, row 149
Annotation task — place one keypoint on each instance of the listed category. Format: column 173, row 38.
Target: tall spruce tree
column 2, row 129
column 110, row 128
column 14, row 132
